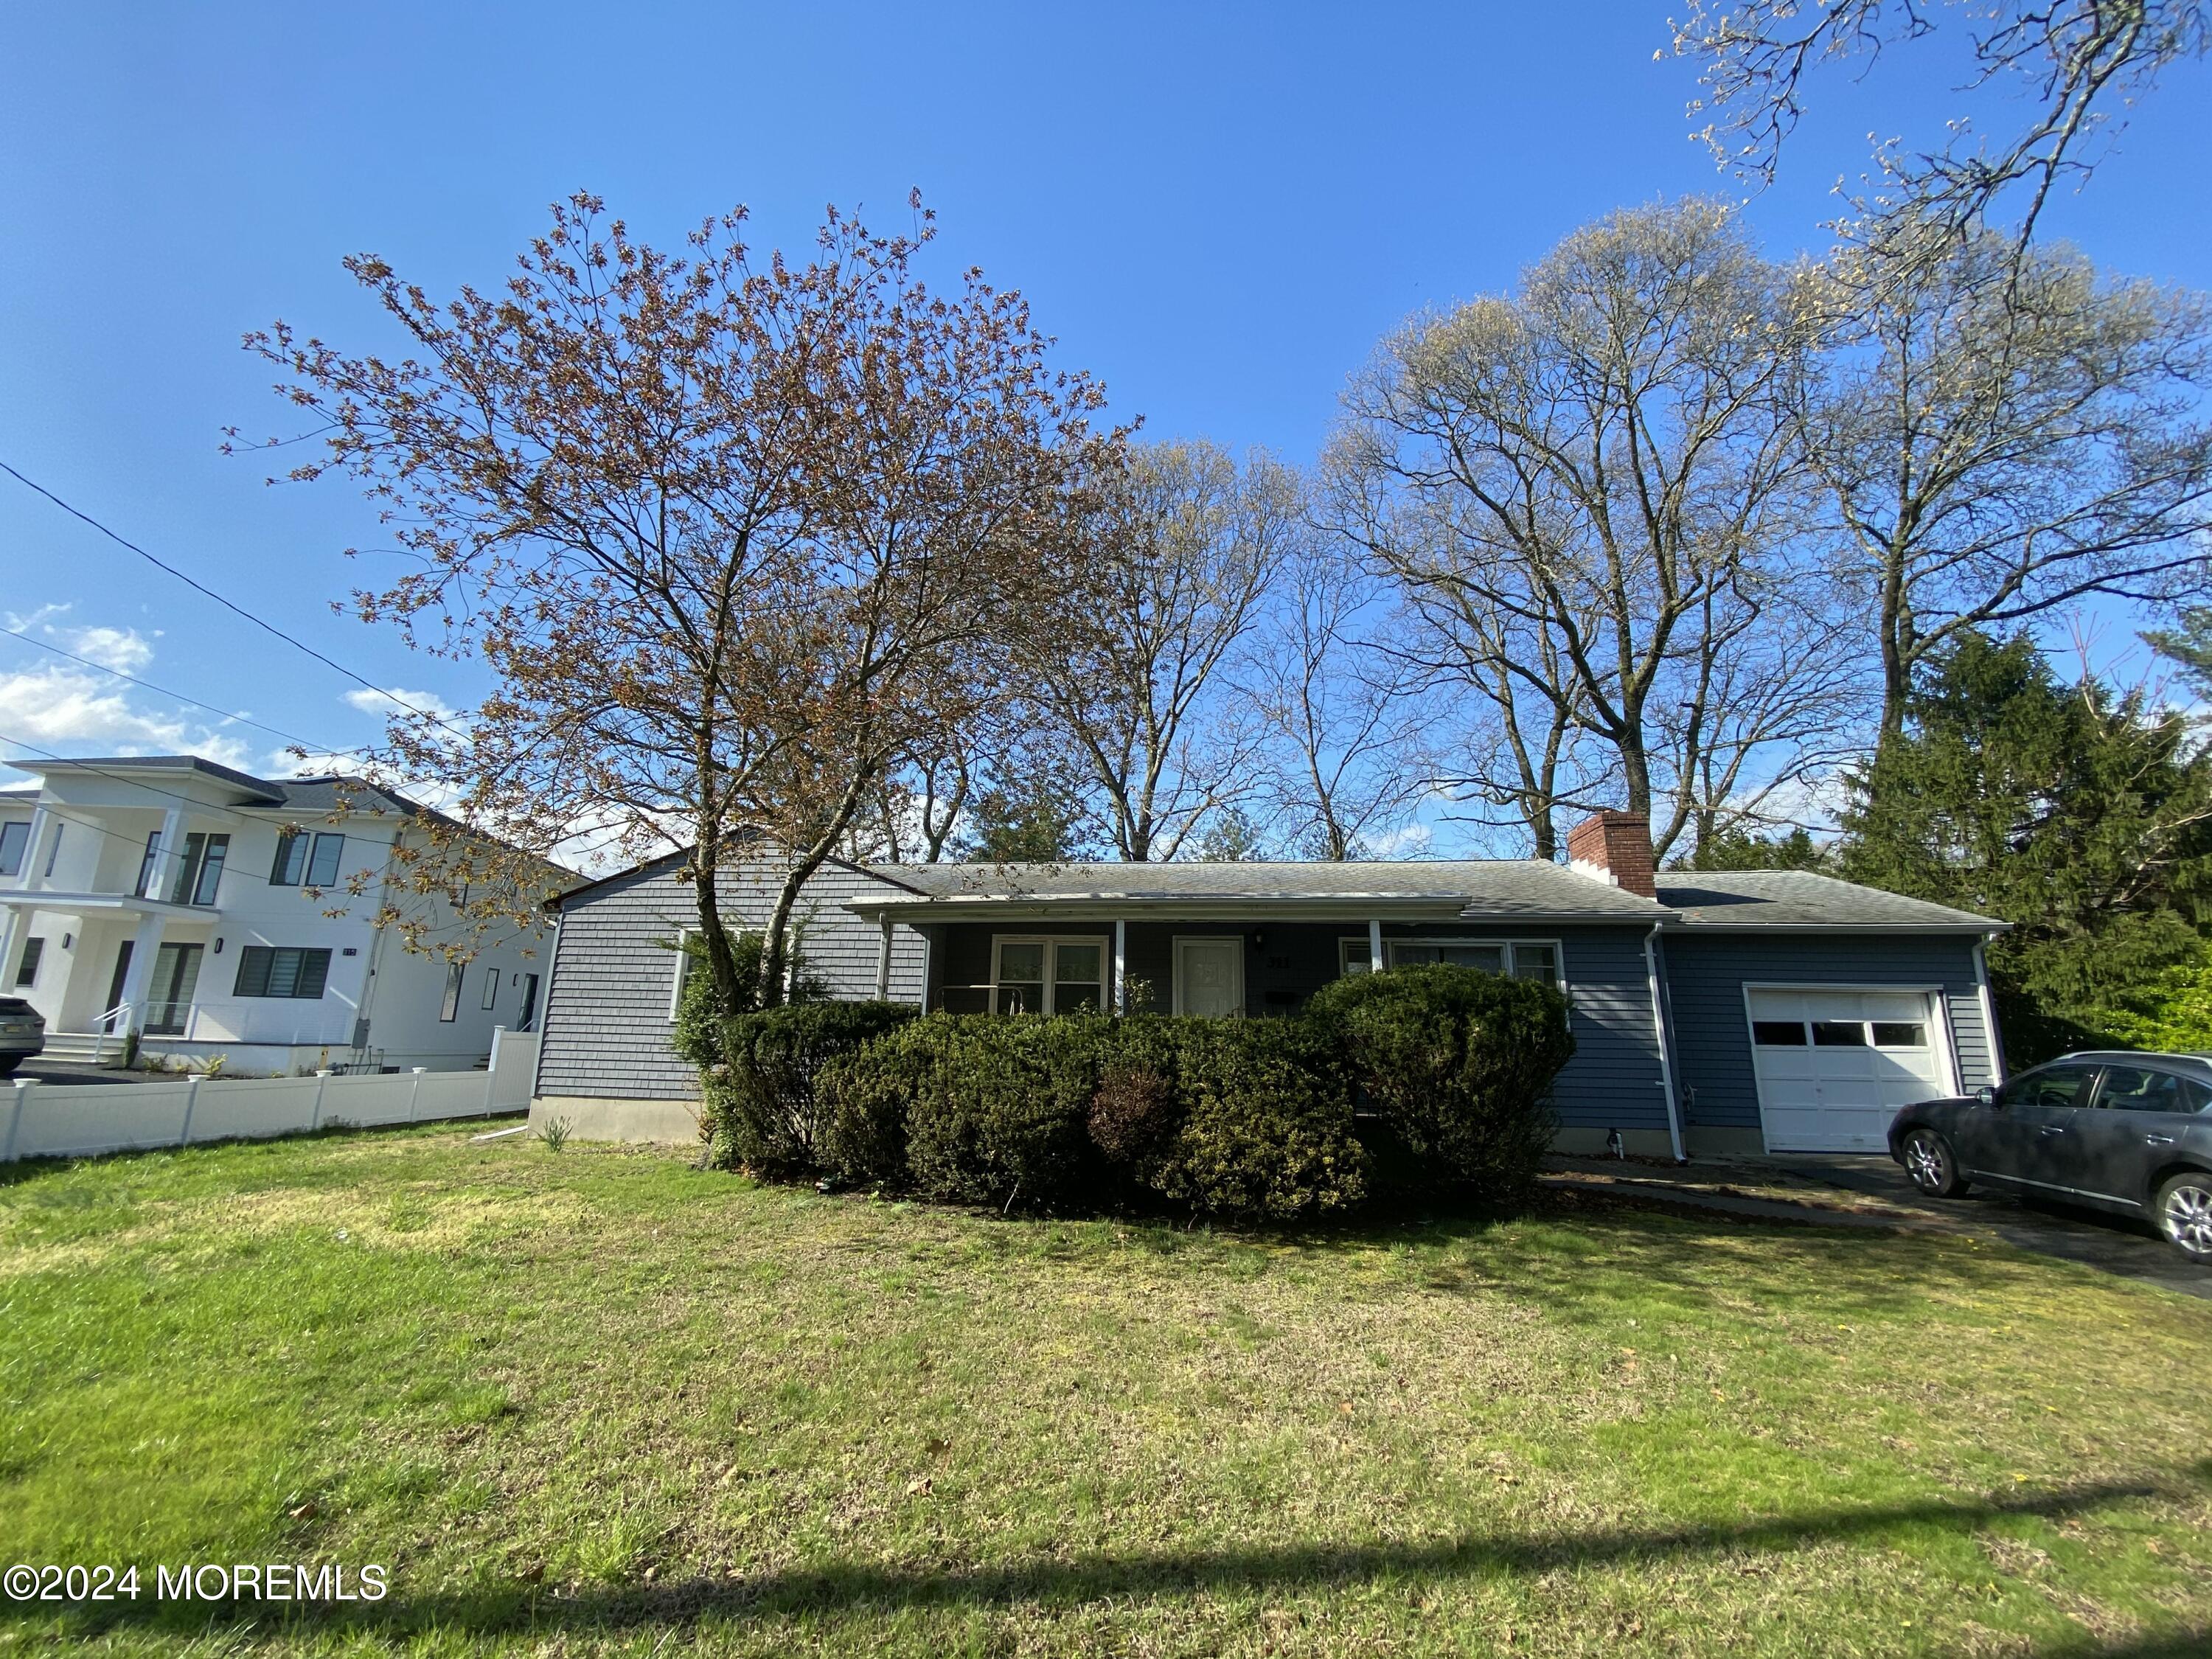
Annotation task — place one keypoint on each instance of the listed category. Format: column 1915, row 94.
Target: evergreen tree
column 1738, row 848
column 2080, row 816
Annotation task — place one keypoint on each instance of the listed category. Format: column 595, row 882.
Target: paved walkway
column 71, row 1072
column 1840, row 1190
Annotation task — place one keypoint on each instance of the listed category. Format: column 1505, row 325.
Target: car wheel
column 1928, row 1160
column 2184, row 1209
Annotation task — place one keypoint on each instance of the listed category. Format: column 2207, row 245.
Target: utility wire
column 273, row 732
column 229, row 604
column 196, row 805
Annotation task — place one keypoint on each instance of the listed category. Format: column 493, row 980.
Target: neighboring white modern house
column 190, row 902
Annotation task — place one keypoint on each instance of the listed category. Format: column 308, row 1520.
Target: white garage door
column 1833, row 1067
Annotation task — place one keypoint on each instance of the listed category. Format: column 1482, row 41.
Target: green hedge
column 1456, row 1066
column 1250, row 1120
column 1245, row 1119
column 762, row 1111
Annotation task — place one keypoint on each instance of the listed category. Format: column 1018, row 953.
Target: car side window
column 2139, row 1089
column 2055, row 1086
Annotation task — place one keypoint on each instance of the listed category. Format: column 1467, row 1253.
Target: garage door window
column 1840, row 1033
column 1834, row 1063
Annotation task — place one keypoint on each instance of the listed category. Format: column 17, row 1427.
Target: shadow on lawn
column 860, row 1588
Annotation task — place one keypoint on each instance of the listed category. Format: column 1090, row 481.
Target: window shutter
column 314, row 973
column 253, row 972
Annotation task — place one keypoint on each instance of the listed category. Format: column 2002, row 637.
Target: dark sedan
column 2123, row 1132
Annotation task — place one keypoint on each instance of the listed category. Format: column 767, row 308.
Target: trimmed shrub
column 1134, row 1118
column 1002, row 1116
column 1244, row 1119
column 763, row 1111
column 1266, row 1124
column 1458, row 1065
column 700, row 1011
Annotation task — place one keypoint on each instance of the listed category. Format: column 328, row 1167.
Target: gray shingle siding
column 1706, row 975
column 606, row 1031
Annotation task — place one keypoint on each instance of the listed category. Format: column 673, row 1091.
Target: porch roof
column 1493, row 890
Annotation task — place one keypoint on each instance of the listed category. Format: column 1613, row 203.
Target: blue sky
column 1217, row 208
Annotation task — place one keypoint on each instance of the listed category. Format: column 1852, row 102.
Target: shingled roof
column 1799, row 899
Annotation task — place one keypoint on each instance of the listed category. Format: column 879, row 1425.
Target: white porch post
column 145, row 946
column 34, row 848
column 884, row 964
column 1374, row 945
column 165, row 853
column 1120, row 966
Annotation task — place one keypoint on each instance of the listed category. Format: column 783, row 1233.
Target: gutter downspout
column 1991, row 1034
column 543, row 1012
column 1659, row 1030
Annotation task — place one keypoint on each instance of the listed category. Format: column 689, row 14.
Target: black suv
column 2123, row 1131
column 22, row 1033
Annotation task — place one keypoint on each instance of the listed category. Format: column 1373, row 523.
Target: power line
column 242, row 720
column 121, row 540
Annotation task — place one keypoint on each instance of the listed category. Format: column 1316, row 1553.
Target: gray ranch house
column 1712, row 1012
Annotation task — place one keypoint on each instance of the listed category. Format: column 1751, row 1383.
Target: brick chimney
column 1616, row 847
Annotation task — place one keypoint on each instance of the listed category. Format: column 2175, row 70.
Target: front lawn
column 598, row 1399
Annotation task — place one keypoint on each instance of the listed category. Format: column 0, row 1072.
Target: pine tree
column 2080, row 816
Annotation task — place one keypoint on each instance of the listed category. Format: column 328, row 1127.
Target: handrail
column 101, row 1032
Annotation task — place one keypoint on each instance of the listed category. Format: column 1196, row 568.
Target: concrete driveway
column 2115, row 1244
column 1842, row 1190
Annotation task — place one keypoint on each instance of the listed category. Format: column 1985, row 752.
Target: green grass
column 602, row 1401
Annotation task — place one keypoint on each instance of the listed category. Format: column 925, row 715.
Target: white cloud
column 400, row 701
column 125, row 649
column 59, row 706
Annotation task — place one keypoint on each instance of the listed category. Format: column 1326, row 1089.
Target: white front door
column 1834, row 1066
column 1210, row 977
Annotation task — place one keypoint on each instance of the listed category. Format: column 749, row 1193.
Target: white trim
column 1052, row 942
column 884, row 963
column 1666, row 1063
column 1177, row 941
column 1120, row 966
column 1989, row 1040
column 1343, row 957
column 1377, row 962
column 675, row 980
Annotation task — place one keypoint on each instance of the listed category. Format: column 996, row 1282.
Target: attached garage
column 1834, row 1064
column 1804, row 1011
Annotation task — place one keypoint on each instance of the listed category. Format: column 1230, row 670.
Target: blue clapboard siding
column 1706, row 975
column 606, row 1029
column 1614, row 1082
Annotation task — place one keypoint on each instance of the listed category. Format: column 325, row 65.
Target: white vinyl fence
column 47, row 1120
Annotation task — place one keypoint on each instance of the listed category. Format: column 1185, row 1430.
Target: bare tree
column 729, row 536
column 2002, row 435
column 1131, row 668
column 1339, row 756
column 1604, row 493
column 2081, row 63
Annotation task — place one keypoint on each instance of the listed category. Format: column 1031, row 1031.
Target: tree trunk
column 706, row 867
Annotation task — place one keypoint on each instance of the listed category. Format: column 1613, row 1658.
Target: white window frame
column 1052, row 942
column 1557, row 947
column 1345, row 945
column 1175, row 948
